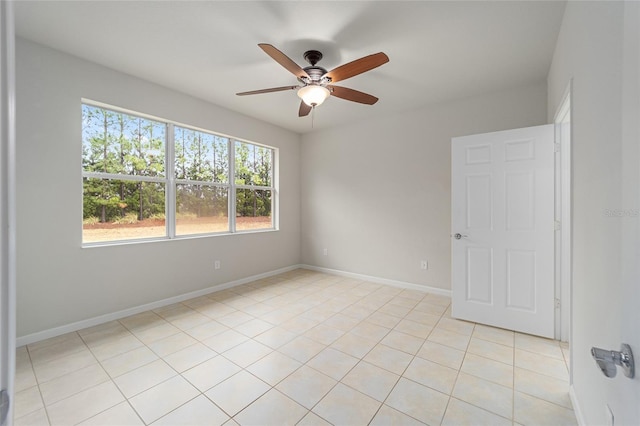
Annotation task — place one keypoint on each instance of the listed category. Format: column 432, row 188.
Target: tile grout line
column 459, row 369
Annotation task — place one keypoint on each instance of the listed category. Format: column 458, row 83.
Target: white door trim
column 7, row 203
column 563, row 214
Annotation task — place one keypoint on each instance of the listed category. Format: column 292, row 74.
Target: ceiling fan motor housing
column 315, row 75
column 314, row 72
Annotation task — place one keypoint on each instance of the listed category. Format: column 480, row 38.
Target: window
column 253, row 186
column 202, row 182
column 146, row 178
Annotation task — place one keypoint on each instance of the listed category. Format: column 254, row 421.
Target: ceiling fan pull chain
column 313, row 114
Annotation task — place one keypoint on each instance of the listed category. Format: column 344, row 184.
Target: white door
column 502, row 229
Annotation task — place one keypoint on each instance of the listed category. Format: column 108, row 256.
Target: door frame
column 7, row 204
column 563, row 214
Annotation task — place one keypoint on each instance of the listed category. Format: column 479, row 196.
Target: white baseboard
column 378, row 280
column 576, row 406
column 79, row 325
column 90, row 322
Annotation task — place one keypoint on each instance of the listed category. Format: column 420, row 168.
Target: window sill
column 177, row 238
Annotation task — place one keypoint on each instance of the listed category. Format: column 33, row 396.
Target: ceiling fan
column 316, row 80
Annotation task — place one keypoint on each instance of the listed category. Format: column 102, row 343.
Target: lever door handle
column 607, row 360
column 458, row 236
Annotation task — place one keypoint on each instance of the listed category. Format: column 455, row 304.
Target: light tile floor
column 300, row 348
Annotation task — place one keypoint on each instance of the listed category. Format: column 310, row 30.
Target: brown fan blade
column 352, row 95
column 358, row 66
column 284, row 60
column 304, row 109
column 273, row 89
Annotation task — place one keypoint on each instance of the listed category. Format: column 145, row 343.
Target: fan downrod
column 312, row 56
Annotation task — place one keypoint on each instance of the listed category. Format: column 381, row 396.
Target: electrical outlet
column 325, row 252
column 424, row 264
column 216, row 264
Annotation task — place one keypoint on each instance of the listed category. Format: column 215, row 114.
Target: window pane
column 253, row 209
column 113, row 142
column 253, row 164
column 201, row 209
column 122, row 210
column 201, row 156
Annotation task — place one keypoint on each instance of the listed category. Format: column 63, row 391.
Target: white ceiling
column 438, row 51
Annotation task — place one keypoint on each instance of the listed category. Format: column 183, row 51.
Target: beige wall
column 376, row 194
column 58, row 281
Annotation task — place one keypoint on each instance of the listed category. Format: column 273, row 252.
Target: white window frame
column 170, row 182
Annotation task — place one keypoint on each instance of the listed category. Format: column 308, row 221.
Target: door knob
column 458, row 236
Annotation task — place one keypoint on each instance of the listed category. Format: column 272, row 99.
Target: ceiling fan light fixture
column 313, row 94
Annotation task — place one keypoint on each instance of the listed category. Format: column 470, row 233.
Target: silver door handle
column 607, row 360
column 458, row 236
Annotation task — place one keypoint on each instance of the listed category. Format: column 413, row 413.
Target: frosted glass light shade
column 313, row 95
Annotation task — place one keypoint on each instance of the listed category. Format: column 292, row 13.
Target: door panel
column 479, row 209
column 480, row 154
column 502, row 207
column 479, row 277
column 521, row 282
column 519, row 199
